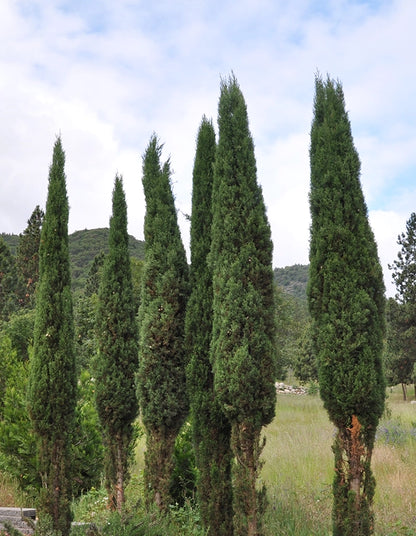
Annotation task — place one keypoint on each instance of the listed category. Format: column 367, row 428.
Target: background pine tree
column 243, row 341
column 117, row 360
column 161, row 380
column 52, row 381
column 211, row 430
column 402, row 318
column 346, row 301
column 27, row 259
column 10, row 287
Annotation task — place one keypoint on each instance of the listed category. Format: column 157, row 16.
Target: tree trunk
column 55, row 499
column 159, row 466
column 352, row 514
column 404, row 389
column 214, row 459
column 120, row 476
column 248, row 507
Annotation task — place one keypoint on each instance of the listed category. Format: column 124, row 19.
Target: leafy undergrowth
column 91, row 509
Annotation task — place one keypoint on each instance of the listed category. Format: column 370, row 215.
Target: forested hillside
column 83, row 247
column 293, row 279
column 11, row 240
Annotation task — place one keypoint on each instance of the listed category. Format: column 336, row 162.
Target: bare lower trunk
column 159, row 466
column 404, row 389
column 116, row 471
column 120, row 477
column 55, row 497
column 247, row 500
column 353, row 484
column 356, row 452
column 213, row 456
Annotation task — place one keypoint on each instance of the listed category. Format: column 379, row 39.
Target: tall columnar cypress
column 52, row 380
column 211, row 430
column 161, row 379
column 243, row 340
column 346, row 301
column 116, row 364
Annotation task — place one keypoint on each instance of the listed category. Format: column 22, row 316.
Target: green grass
column 298, row 468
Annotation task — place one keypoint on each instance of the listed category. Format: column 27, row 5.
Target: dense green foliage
column 346, row 301
column 244, row 329
column 20, row 330
column 18, row 455
column 161, row 379
column 117, row 360
column 211, row 430
column 52, row 381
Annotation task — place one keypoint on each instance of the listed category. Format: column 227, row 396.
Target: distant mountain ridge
column 85, row 245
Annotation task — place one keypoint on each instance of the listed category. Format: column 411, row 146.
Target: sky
column 106, row 75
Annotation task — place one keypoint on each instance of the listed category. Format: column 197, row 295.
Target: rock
column 282, row 388
column 16, row 517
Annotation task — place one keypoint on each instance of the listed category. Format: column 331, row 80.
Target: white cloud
column 387, row 225
column 107, row 74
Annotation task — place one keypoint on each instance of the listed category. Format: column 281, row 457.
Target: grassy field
column 298, row 468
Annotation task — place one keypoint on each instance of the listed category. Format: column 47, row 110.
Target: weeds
column 393, row 432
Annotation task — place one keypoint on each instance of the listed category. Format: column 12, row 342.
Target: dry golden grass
column 9, row 492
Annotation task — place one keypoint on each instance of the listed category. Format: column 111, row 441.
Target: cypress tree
column 243, row 339
column 346, row 301
column 161, row 379
column 52, row 379
column 117, row 360
column 211, row 430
